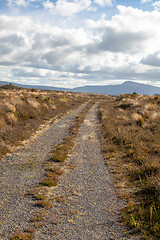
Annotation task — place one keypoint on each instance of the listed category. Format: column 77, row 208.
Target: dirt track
column 88, row 207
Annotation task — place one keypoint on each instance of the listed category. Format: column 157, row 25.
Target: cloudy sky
column 70, row 43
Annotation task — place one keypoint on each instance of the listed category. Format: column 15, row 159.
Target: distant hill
column 33, row 86
column 126, row 87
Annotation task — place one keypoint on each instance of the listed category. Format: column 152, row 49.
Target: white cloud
column 67, row 8
column 156, row 5
column 103, row 2
column 119, row 48
column 70, row 8
column 49, row 5
column 18, row 3
column 125, row 32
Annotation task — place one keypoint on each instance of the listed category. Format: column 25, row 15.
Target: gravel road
column 87, row 205
column 23, row 170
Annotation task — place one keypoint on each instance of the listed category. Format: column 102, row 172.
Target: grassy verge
column 130, row 127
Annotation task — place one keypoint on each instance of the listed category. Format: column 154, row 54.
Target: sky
column 72, row 43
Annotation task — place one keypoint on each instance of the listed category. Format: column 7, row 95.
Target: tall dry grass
column 22, row 111
column 130, row 126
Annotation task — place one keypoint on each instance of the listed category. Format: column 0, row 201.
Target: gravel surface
column 87, row 205
column 22, row 170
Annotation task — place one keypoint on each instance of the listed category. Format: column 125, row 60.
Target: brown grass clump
column 56, row 170
column 59, row 154
column 131, row 149
column 51, row 179
column 22, row 236
column 3, row 149
column 43, row 204
column 37, row 194
column 138, row 119
column 155, row 116
column 38, row 217
column 150, row 106
column 60, row 199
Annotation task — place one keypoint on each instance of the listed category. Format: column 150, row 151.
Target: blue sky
column 80, row 42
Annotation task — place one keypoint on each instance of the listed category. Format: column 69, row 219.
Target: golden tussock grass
column 130, row 127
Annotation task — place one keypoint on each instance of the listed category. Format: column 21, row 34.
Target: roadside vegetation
column 130, row 127
column 24, row 110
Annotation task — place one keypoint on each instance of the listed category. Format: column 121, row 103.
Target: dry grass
column 37, row 217
column 131, row 148
column 50, row 179
column 23, row 111
column 43, row 204
column 22, row 236
column 60, row 199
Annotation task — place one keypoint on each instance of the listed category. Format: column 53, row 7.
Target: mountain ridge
column 126, row 87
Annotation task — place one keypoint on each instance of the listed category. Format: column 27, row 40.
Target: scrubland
column 131, row 146
column 130, row 134
column 23, row 111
